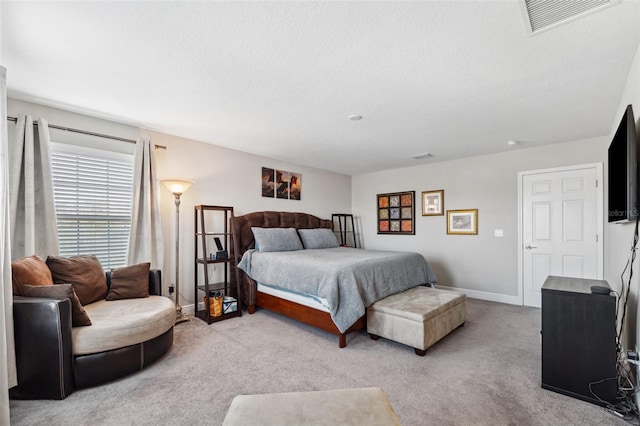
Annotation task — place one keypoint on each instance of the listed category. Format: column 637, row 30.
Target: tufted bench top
column 360, row 406
column 419, row 303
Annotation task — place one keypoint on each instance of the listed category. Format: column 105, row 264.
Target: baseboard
column 189, row 309
column 485, row 295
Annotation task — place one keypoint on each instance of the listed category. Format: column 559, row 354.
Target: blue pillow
column 276, row 239
column 318, row 238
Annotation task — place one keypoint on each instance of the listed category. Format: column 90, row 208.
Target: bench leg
column 374, row 336
column 420, row 352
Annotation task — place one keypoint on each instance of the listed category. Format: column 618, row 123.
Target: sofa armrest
column 44, row 357
column 155, row 282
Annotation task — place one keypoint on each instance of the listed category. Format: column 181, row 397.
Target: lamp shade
column 177, row 186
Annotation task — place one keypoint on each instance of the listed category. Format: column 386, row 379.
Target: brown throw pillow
column 85, row 273
column 29, row 270
column 79, row 316
column 129, row 282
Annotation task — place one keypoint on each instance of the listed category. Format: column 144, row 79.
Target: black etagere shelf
column 343, row 225
column 230, row 285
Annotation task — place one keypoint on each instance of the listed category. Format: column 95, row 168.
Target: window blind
column 93, row 199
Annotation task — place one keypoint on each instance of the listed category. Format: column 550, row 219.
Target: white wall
column 484, row 264
column 70, row 119
column 620, row 237
column 231, row 178
column 222, row 177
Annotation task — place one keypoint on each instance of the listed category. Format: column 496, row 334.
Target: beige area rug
column 485, row 373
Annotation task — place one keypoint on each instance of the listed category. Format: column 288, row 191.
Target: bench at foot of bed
column 418, row 317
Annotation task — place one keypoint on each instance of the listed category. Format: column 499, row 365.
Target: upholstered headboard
column 268, row 219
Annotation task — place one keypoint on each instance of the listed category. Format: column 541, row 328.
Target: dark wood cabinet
column 579, row 340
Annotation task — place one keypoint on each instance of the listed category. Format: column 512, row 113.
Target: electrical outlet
column 171, row 289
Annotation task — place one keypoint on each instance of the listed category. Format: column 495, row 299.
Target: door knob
column 529, row 247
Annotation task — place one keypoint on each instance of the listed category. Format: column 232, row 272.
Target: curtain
column 33, row 216
column 145, row 241
column 7, row 353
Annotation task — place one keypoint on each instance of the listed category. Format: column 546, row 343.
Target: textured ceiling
column 280, row 79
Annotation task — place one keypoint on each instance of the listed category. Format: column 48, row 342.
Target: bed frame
column 253, row 298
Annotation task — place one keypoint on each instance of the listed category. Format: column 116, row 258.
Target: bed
column 290, row 282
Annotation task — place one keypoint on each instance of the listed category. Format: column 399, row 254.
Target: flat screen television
column 623, row 171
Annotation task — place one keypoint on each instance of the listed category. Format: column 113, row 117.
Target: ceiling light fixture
column 512, row 143
column 355, row 117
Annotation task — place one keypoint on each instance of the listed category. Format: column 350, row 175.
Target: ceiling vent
column 542, row 15
column 421, row 156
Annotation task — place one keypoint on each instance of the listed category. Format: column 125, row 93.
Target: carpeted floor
column 485, row 373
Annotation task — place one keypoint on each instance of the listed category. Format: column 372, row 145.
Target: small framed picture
column 433, row 203
column 462, row 222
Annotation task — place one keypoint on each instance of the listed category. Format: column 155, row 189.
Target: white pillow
column 276, row 239
column 318, row 238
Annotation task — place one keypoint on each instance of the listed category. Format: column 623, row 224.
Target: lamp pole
column 177, row 188
column 180, row 317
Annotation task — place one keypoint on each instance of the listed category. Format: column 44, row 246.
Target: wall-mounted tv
column 623, row 171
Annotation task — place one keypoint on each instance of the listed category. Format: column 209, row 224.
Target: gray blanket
column 349, row 279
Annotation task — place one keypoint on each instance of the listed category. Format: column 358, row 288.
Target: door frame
column 599, row 218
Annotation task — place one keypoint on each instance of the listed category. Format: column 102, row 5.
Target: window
column 93, row 197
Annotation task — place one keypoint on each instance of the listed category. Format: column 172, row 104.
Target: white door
column 561, row 226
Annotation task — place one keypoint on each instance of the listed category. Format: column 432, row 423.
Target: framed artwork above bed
column 281, row 184
column 396, row 213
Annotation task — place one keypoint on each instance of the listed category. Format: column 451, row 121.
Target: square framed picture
column 462, row 222
column 433, row 203
column 396, row 213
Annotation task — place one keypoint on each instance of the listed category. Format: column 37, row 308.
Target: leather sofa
column 49, row 364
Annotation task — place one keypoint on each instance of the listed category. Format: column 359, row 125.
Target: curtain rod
column 84, row 132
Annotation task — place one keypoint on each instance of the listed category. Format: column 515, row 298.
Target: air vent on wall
column 545, row 14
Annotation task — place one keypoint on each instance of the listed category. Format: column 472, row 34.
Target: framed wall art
column 396, row 213
column 281, row 184
column 433, row 203
column 462, row 222
column 268, row 182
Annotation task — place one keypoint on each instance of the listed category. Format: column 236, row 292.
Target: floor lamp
column 177, row 188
